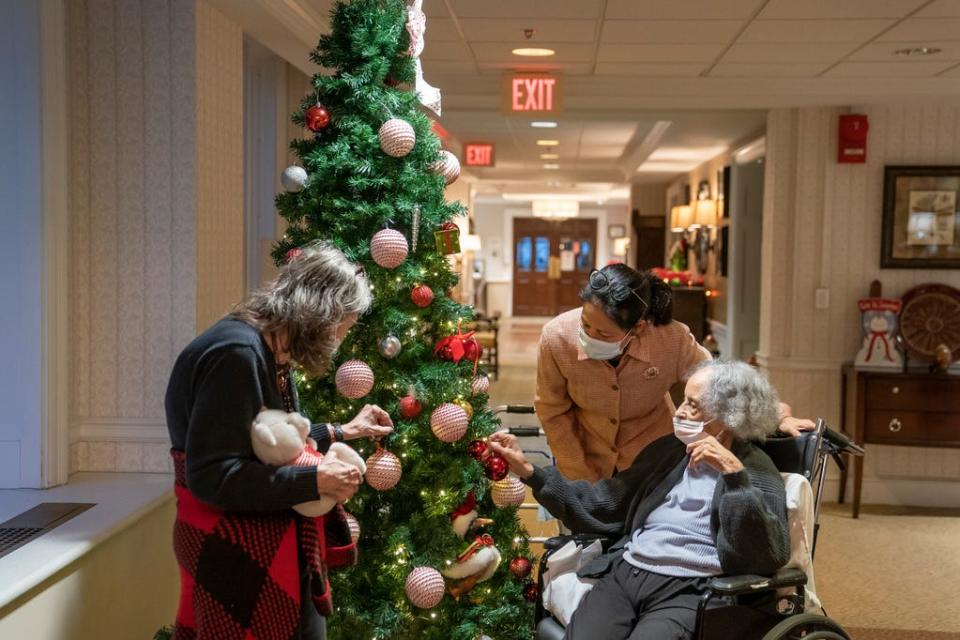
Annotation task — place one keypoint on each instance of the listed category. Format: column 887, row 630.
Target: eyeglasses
column 600, row 283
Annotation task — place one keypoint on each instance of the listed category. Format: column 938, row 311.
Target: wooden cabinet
column 902, row 409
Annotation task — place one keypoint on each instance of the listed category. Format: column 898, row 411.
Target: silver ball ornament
column 390, row 347
column 294, row 178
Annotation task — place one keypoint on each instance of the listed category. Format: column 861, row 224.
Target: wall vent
column 33, row 523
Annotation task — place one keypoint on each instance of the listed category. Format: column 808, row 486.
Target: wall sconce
column 470, row 242
column 705, row 219
column 681, row 217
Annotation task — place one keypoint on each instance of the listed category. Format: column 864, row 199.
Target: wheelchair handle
column 841, row 441
column 525, row 432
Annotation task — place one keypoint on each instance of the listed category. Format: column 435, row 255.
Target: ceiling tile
column 787, row 52
column 940, row 9
column 501, row 52
column 446, row 52
column 953, row 72
column 813, row 31
column 887, row 69
column 492, row 30
column 658, row 52
column 679, row 31
column 441, row 30
column 817, row 9
column 665, row 69
column 682, row 9
column 884, row 52
column 601, row 152
column 924, row 29
column 512, row 9
column 768, row 70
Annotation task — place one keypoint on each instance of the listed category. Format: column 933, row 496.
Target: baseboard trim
column 146, row 430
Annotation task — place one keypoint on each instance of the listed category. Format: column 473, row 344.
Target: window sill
column 121, row 499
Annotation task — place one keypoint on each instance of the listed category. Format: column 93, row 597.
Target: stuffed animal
column 280, row 439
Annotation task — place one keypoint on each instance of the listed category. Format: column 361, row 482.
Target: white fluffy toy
column 280, row 439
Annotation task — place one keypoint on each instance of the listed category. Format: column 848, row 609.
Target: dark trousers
column 633, row 604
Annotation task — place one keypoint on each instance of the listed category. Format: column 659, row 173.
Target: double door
column 552, row 259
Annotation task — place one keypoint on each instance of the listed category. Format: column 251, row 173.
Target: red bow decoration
column 470, row 504
column 485, row 540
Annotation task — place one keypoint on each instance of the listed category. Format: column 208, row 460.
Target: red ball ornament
column 410, row 407
column 496, row 468
column 422, row 296
column 531, row 592
column 520, row 567
column 476, row 449
column 317, row 118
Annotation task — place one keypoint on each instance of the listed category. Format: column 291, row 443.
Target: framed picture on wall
column 616, row 231
column 921, row 224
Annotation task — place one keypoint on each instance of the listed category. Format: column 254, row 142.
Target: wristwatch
column 338, row 431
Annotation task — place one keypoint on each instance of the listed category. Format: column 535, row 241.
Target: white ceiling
column 643, row 75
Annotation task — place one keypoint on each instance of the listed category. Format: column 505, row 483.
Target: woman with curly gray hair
column 701, row 502
column 237, row 540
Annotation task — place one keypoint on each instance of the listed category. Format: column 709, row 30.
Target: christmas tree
column 371, row 180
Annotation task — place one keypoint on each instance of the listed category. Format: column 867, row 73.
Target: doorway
column 552, row 261
column 746, row 230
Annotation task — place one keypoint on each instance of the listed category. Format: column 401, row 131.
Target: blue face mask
column 600, row 350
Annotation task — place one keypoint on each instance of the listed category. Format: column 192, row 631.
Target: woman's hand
column 337, row 479
column 506, row 446
column 793, row 426
column 371, row 422
column 710, row 451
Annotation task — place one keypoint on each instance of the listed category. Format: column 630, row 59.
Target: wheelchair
column 746, row 607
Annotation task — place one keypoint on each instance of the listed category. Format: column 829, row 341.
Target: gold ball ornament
column 466, row 406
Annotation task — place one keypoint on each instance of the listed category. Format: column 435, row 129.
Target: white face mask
column 689, row 431
column 600, row 350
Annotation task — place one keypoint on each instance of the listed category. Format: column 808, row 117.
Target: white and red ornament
column 425, row 587
column 397, row 137
column 317, row 118
column 354, row 379
column 383, row 470
column 293, row 178
column 477, row 563
column 354, row 525
column 422, row 296
column 428, row 95
column 293, row 254
column 447, row 166
column 508, row 492
column 388, row 248
column 480, row 385
column 449, row 422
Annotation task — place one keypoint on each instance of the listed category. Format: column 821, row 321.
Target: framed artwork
column 616, row 231
column 723, row 192
column 920, row 218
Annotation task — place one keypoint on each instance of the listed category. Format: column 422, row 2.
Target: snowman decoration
column 879, row 321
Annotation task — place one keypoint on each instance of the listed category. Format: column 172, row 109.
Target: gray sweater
column 748, row 516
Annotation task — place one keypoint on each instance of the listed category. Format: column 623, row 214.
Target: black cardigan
column 748, row 516
column 219, row 383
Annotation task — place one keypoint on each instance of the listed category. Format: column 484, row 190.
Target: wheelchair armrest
column 554, row 543
column 738, row 585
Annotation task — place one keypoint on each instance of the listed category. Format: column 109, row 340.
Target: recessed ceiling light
column 548, row 143
column 917, row 51
column 549, row 156
column 533, row 52
column 543, row 124
column 551, row 165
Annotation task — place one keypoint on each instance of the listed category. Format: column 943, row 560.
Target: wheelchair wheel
column 807, row 626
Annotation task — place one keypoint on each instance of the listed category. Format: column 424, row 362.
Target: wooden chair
column 487, row 334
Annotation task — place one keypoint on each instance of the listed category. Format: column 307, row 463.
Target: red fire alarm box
column 853, row 138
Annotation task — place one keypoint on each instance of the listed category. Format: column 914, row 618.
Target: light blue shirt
column 676, row 539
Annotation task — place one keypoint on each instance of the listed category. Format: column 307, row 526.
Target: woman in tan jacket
column 605, row 370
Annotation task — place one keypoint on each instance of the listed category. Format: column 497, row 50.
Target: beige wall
column 821, row 228
column 219, row 156
column 125, row 588
column 156, row 210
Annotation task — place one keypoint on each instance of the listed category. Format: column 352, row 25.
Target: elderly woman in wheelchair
column 703, row 502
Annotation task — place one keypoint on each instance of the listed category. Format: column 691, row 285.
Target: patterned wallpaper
column 822, row 225
column 135, row 190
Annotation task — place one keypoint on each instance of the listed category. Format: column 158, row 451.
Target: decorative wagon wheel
column 931, row 317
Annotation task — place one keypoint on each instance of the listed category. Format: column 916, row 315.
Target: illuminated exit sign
column 478, row 154
column 533, row 94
